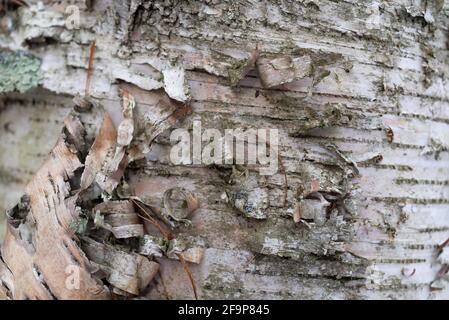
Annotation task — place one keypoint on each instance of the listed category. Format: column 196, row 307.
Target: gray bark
column 368, row 78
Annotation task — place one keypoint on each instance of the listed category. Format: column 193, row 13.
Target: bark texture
column 359, row 91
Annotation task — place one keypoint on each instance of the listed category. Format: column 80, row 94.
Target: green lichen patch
column 18, row 72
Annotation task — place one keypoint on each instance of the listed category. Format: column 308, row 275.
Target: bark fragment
column 190, row 202
column 283, row 69
column 126, row 271
column 120, row 218
column 279, row 69
column 175, row 83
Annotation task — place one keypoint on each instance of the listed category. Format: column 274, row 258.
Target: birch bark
column 362, row 81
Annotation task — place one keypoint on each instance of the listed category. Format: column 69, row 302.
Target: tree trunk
column 359, row 208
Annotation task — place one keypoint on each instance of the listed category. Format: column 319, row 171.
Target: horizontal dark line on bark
column 386, row 166
column 422, row 182
column 399, row 200
column 414, row 246
column 340, row 278
column 367, row 141
column 432, row 230
column 400, row 261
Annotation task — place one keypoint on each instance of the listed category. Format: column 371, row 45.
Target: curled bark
column 66, row 207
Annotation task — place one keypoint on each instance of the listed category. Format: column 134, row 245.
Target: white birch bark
column 370, row 78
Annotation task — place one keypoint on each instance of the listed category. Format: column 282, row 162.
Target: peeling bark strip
column 358, row 90
column 51, row 220
column 38, row 228
column 127, row 272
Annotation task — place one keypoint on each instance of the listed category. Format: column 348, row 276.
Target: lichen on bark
column 19, row 71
